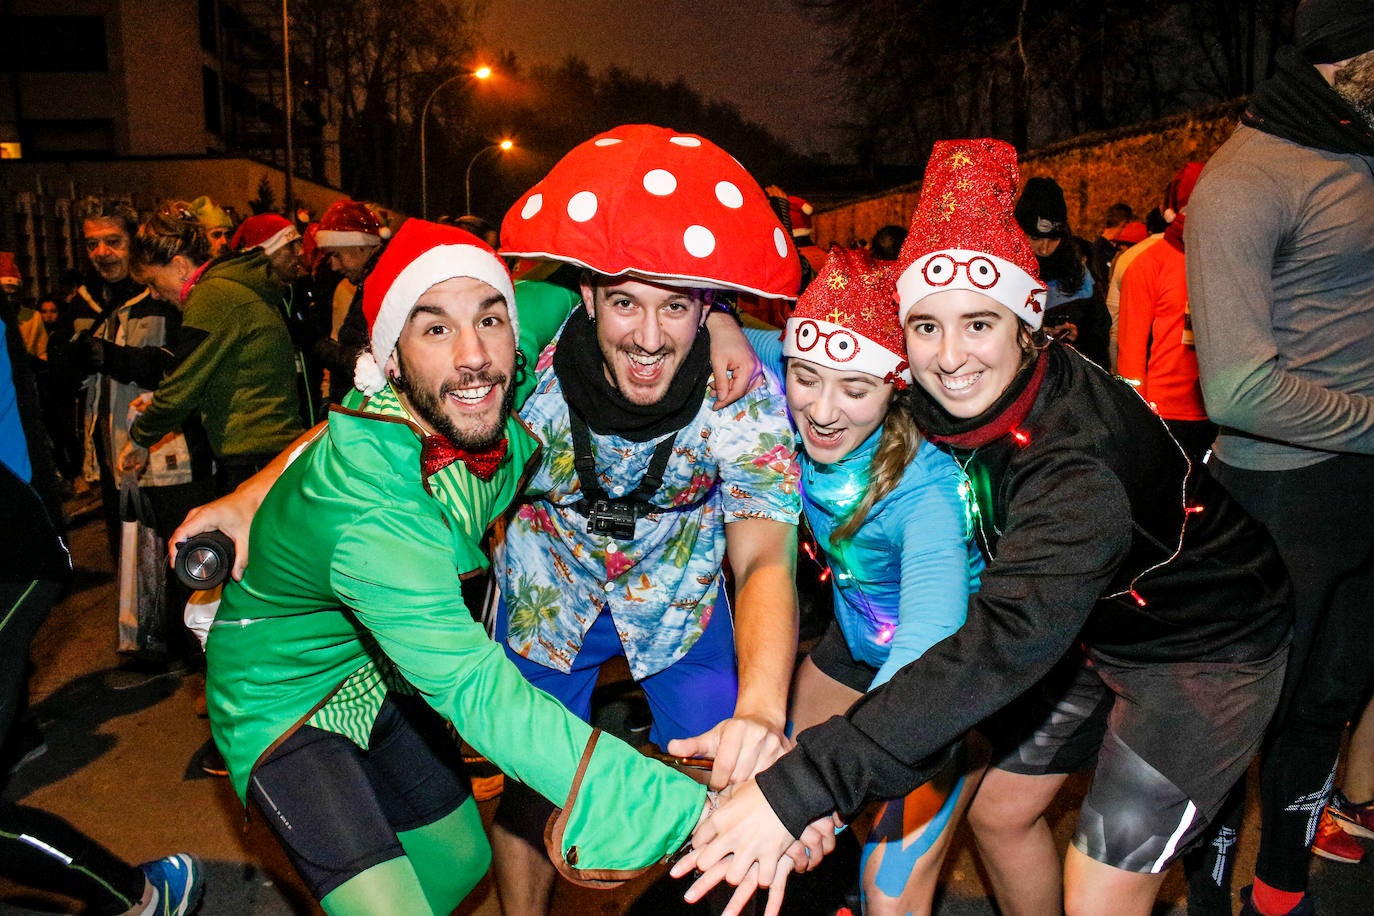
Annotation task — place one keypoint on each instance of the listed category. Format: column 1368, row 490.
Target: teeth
column 820, row 433
column 960, row 382
column 471, row 394
column 644, row 360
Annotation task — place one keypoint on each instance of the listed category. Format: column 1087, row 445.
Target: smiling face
column 645, row 331
column 454, row 362
column 834, row 411
column 964, row 349
column 107, row 245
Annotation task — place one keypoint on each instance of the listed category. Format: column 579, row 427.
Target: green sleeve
column 543, row 307
column 396, row 570
column 179, row 393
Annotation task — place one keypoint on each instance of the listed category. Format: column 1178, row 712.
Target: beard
column 429, row 404
column 1355, row 83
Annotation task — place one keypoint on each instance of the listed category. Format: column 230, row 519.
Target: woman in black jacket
column 1130, row 614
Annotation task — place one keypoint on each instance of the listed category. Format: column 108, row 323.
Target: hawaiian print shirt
column 556, row 577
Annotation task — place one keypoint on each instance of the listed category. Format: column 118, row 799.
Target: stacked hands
column 739, row 839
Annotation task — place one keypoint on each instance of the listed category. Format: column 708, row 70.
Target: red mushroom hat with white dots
column 964, row 233
column 845, row 320
column 659, row 205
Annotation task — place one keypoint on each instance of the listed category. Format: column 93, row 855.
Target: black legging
column 1319, row 517
column 38, row 849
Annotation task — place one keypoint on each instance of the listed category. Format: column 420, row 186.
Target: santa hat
column 964, row 234
column 845, row 320
column 10, row 279
column 349, row 224
column 421, row 255
column 1180, row 189
column 310, row 247
column 799, row 215
column 658, row 205
column 267, row 231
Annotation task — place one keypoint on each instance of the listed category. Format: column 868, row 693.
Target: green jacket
column 353, row 557
column 241, row 374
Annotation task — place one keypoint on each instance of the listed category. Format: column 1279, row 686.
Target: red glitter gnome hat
column 964, row 234
column 421, row 255
column 659, row 205
column 845, row 320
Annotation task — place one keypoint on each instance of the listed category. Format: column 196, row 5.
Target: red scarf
column 438, row 452
column 1001, row 423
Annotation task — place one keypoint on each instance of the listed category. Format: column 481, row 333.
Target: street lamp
column 504, row 146
column 480, row 73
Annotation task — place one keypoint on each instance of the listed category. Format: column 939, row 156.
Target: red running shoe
column 1331, row 842
column 1357, row 820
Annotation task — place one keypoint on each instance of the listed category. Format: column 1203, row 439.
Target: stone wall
column 1096, row 170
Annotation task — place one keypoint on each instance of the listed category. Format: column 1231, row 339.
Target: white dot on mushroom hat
column 582, row 206
column 699, row 241
column 660, row 182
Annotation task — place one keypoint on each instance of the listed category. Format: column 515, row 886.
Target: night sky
column 764, row 56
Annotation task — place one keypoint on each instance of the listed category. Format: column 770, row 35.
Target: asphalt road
column 120, row 765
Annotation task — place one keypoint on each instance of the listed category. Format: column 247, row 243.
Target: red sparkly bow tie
column 438, row 453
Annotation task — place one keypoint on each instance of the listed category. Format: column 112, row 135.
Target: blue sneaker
column 179, row 881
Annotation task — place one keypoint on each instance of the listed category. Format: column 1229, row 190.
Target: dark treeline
column 373, row 65
column 1037, row 71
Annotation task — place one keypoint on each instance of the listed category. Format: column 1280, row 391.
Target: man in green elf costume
column 335, row 661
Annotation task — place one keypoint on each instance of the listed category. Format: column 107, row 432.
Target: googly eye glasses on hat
column 839, row 345
column 941, row 270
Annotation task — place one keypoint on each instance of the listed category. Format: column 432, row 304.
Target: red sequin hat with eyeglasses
column 964, row 233
column 845, row 320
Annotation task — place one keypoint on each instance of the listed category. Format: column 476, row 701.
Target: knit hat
column 210, row 214
column 799, row 215
column 349, row 224
column 1180, row 189
column 963, row 234
column 1041, row 210
column 10, row 279
column 845, row 320
column 267, row 231
column 421, row 255
column 1327, row 31
column 658, row 205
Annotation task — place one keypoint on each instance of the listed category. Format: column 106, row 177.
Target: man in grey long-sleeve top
column 1280, row 242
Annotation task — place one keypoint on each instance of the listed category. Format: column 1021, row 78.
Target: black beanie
column 1327, row 31
column 1041, row 211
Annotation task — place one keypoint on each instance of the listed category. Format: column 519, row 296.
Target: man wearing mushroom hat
column 645, row 490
